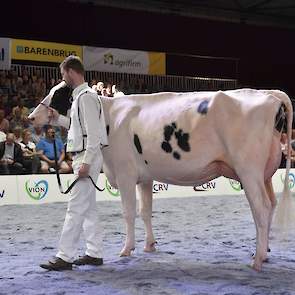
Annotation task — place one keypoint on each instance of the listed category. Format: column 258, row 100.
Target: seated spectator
column 109, row 90
column 31, row 161
column 116, row 92
column 46, row 147
column 17, row 121
column 4, row 123
column 24, row 111
column 99, row 87
column 92, row 82
column 37, row 134
column 11, row 156
column 17, row 131
column 94, row 87
column 40, row 87
column 4, row 106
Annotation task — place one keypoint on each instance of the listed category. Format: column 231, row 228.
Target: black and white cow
column 188, row 139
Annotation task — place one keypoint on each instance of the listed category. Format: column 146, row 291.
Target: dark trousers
column 32, row 164
column 15, row 168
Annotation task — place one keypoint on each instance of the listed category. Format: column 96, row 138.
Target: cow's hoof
column 257, row 266
column 266, row 259
column 126, row 252
column 150, row 247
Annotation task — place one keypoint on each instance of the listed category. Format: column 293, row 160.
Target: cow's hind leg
column 261, row 208
column 127, row 189
column 273, row 200
column 145, row 210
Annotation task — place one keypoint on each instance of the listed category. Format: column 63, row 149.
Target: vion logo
column 2, row 194
column 36, row 190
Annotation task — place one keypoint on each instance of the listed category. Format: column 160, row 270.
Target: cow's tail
column 285, row 214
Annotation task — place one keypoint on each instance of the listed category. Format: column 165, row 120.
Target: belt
column 76, row 153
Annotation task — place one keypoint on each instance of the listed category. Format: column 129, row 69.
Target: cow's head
column 58, row 98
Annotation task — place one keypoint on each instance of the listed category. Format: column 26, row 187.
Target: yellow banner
column 43, row 51
column 157, row 63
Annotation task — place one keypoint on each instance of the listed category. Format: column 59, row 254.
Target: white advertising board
column 40, row 189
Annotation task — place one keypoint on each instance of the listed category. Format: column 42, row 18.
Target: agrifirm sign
column 123, row 61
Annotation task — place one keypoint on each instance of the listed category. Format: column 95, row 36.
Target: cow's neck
column 106, row 103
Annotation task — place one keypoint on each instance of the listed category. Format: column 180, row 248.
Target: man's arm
column 57, row 119
column 91, row 110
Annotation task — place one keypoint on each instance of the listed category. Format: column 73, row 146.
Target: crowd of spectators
column 25, row 149
column 28, row 149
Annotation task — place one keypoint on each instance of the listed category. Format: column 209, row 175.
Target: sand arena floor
column 204, row 247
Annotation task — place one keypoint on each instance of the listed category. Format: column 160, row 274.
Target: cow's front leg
column 145, row 210
column 128, row 197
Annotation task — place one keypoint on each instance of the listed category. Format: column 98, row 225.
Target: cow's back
column 173, row 136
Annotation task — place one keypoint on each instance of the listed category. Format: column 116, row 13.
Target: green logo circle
column 236, row 185
column 291, row 181
column 38, row 190
column 112, row 191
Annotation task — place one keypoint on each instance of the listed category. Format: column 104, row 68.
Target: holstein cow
column 189, row 139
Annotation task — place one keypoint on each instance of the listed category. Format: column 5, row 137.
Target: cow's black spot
column 166, row 146
column 168, row 131
column 146, row 161
column 182, row 140
column 176, row 155
column 137, row 143
column 108, row 129
column 203, row 107
column 61, row 100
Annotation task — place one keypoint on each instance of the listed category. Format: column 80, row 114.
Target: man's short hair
column 73, row 62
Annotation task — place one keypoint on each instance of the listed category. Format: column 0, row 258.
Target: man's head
column 10, row 138
column 17, row 131
column 50, row 133
column 72, row 71
column 17, row 113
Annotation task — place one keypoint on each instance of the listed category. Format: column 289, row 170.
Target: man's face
column 50, row 133
column 67, row 76
column 10, row 138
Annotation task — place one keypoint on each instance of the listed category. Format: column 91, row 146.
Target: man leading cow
column 84, row 142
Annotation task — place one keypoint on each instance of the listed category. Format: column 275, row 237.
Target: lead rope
column 74, row 182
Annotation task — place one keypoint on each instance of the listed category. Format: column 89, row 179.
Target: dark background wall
column 266, row 54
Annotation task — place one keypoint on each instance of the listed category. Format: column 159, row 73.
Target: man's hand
column 52, row 114
column 84, row 170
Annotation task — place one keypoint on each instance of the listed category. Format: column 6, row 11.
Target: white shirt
column 2, row 136
column 92, row 121
column 30, row 146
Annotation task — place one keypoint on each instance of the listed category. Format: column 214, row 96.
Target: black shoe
column 88, row 260
column 57, row 264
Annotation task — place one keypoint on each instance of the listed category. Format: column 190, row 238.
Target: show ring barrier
column 43, row 188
